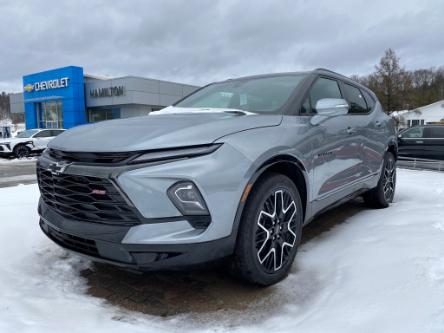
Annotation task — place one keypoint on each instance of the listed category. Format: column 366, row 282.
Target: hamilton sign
column 107, row 91
column 62, row 82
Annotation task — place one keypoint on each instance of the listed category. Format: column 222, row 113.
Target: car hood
column 176, row 127
column 14, row 140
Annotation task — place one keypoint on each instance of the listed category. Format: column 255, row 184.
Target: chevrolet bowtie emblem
column 28, row 87
column 56, row 168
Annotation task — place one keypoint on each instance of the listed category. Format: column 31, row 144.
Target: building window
column 100, row 114
column 50, row 114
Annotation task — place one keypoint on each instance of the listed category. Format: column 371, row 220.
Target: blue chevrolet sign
column 55, row 98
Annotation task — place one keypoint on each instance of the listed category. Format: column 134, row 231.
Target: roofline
column 314, row 71
column 145, row 78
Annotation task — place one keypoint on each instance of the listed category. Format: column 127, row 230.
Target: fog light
column 187, row 199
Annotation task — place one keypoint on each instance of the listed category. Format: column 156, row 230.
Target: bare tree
column 387, row 79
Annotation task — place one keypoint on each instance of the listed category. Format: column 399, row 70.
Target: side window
column 306, row 107
column 43, row 134
column 355, row 99
column 436, row 132
column 370, row 101
column 413, row 133
column 322, row 88
column 56, row 132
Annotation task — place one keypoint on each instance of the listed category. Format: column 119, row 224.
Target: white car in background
column 26, row 142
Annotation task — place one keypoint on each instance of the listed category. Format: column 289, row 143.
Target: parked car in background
column 425, row 141
column 233, row 170
column 27, row 142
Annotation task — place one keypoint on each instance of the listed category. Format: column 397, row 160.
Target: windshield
column 265, row 94
column 27, row 134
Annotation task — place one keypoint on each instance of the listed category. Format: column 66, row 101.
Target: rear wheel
column 21, row 151
column 270, row 231
column 382, row 195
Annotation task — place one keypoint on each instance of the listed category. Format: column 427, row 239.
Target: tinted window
column 415, row 132
column 355, row 99
column 266, row 94
column 369, row 99
column 56, row 132
column 43, row 134
column 435, row 132
column 322, row 88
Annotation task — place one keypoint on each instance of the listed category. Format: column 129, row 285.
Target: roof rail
column 328, row 70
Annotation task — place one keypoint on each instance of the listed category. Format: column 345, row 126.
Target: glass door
column 50, row 114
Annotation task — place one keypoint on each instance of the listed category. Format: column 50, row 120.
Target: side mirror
column 329, row 107
column 332, row 107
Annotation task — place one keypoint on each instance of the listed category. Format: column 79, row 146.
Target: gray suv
column 235, row 170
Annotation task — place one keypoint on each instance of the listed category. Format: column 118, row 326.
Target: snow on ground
column 380, row 271
column 31, row 159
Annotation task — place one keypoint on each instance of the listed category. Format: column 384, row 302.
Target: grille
column 85, row 198
column 79, row 244
column 90, row 157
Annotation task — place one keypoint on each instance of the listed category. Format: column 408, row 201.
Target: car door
column 42, row 138
column 411, row 142
column 336, row 154
column 369, row 130
column 433, row 145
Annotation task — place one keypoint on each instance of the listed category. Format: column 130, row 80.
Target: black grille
column 79, row 244
column 90, row 157
column 85, row 198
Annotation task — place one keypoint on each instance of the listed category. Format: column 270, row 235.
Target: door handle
column 378, row 123
column 350, row 130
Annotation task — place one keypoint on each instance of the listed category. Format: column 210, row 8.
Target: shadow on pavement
column 203, row 292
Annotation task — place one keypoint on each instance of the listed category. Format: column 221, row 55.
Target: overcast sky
column 201, row 41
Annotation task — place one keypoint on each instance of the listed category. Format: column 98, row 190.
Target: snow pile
column 380, row 271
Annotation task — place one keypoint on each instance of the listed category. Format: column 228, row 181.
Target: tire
column 21, row 151
column 382, row 195
column 269, row 232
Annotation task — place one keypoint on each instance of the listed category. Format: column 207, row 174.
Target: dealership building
column 66, row 97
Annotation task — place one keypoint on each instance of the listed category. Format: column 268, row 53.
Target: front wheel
column 269, row 232
column 21, row 151
column 382, row 195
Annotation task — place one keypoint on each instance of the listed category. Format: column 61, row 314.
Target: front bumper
column 163, row 238
column 5, row 149
column 103, row 243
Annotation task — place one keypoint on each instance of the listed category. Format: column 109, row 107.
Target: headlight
column 168, row 154
column 187, row 199
column 6, row 144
